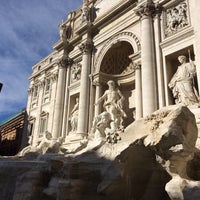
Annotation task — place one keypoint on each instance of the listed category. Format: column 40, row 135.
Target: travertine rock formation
column 155, row 159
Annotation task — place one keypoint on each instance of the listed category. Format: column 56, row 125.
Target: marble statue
column 101, row 122
column 65, row 31
column 85, row 12
column 44, row 143
column 182, row 83
column 76, row 72
column 74, row 116
column 113, row 104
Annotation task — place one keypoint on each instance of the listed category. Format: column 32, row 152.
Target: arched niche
column 116, row 61
column 126, row 41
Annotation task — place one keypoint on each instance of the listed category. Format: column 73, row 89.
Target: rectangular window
column 43, row 124
column 35, row 91
column 30, row 129
column 47, row 85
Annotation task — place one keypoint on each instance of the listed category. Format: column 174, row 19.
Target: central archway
column 116, row 61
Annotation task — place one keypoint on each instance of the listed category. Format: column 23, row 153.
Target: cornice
column 185, row 33
column 119, row 9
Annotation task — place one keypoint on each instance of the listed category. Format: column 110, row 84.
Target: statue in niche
column 176, row 18
column 74, row 116
column 113, row 104
column 76, row 72
column 65, row 31
column 182, row 83
column 85, row 12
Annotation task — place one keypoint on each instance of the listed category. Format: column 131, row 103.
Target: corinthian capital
column 85, row 47
column 146, row 9
column 137, row 65
column 65, row 61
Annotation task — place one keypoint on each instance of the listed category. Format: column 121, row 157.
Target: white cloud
column 28, row 31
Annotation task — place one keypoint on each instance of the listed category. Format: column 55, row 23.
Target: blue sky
column 28, row 29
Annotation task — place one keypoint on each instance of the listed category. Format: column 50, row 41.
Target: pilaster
column 138, row 85
column 37, row 122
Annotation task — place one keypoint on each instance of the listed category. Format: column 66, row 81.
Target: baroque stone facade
column 133, row 46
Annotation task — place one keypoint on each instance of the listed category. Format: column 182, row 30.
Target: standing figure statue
column 74, row 116
column 113, row 104
column 182, row 83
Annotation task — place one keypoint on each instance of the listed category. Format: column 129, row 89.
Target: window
column 35, row 91
column 50, row 60
column 30, row 129
column 43, row 124
column 47, row 85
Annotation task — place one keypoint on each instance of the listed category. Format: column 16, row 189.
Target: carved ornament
column 176, row 18
column 76, row 72
column 85, row 47
column 65, row 61
column 146, row 9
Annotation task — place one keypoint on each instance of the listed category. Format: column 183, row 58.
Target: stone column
column 97, row 109
column 58, row 110
column 66, row 102
column 149, row 98
column 138, row 87
column 159, row 64
column 84, row 89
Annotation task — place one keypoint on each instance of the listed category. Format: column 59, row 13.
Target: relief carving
column 76, row 72
column 176, row 18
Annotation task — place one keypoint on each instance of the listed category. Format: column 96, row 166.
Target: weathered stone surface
column 156, row 159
